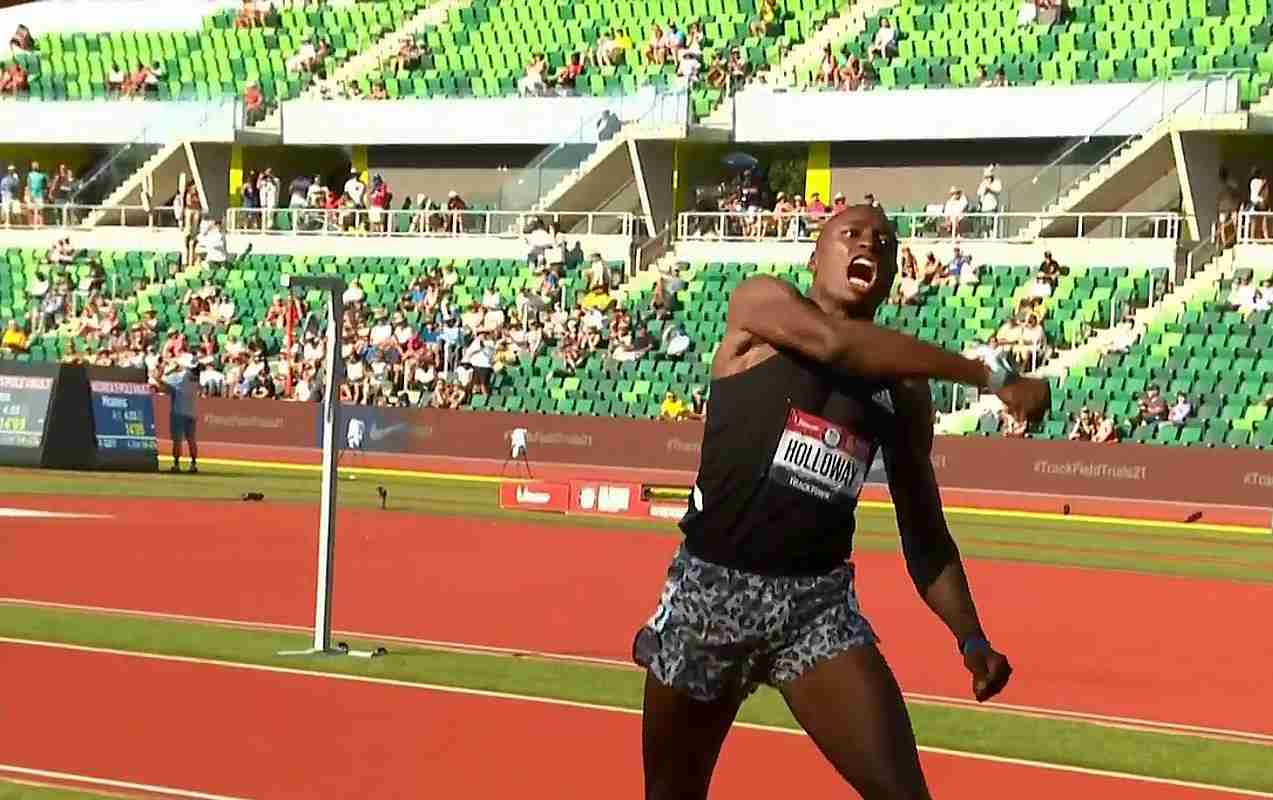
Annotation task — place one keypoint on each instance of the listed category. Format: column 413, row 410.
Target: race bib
column 820, row 459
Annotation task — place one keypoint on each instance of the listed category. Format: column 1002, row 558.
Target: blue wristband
column 972, row 644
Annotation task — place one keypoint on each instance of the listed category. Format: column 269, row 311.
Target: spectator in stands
column 620, row 46
column 960, row 269
column 22, row 40
column 828, row 74
column 14, row 79
column 1258, row 203
column 1049, row 271
column 675, row 341
column 954, row 209
column 718, row 73
column 698, row 405
column 37, row 193
column 688, row 67
column 816, row 210
column 567, row 78
column 766, row 16
column 456, row 206
column 249, row 200
column 1181, row 410
column 1229, row 202
column 1241, row 294
column 378, row 91
column 378, row 200
column 656, row 49
column 267, row 193
column 1152, row 407
column 909, row 286
column 1085, row 425
column 1010, row 426
column 15, row 338
column 253, row 103
column 10, row 192
column 672, row 409
column 988, row 192
column 738, row 69
column 884, row 45
column 1032, row 344
column 852, row 74
column 409, row 55
column 1106, row 430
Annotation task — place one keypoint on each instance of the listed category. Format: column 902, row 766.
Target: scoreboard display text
column 123, row 416
column 24, row 403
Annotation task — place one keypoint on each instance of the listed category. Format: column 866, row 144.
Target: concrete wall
column 657, row 167
column 477, row 173
column 212, row 161
column 100, row 122
column 496, row 120
column 763, row 114
column 912, row 174
column 1106, row 252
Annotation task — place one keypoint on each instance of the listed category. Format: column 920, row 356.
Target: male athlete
column 805, row 390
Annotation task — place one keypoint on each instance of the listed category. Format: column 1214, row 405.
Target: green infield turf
column 1171, row 550
column 1174, row 756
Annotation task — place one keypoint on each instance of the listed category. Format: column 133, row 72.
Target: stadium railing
column 1255, row 227
column 747, row 226
column 411, row 223
column 73, row 216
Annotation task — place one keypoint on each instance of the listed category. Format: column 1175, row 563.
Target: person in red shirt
column 816, row 208
column 378, row 204
column 254, row 103
column 568, row 76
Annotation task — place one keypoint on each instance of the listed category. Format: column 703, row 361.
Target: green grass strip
column 19, row 790
column 1065, row 742
column 1195, row 553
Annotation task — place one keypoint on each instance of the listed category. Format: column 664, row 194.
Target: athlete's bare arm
column 766, row 313
column 932, row 558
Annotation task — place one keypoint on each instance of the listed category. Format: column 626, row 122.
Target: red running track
column 268, row 735
column 1148, row 647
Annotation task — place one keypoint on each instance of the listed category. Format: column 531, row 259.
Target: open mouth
column 861, row 273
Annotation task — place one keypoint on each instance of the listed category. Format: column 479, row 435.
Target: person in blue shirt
column 182, row 387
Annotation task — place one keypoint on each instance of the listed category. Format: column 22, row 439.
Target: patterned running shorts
column 720, row 632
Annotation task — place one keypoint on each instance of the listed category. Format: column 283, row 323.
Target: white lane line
column 465, row 647
column 114, row 784
column 33, row 513
column 552, row 701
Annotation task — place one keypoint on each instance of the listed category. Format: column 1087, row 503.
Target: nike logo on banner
column 380, row 433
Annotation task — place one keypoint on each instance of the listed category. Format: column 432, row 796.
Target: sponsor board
column 535, row 496
column 607, row 499
column 1216, row 476
column 668, row 511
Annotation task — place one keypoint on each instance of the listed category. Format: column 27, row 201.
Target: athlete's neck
column 837, row 309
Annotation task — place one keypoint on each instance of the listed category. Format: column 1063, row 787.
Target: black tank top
column 786, row 449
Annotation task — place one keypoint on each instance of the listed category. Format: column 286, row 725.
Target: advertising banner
column 536, row 496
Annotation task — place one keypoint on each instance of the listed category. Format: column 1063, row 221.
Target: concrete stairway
column 165, row 166
column 372, row 57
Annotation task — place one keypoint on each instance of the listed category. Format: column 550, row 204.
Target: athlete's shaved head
column 855, row 260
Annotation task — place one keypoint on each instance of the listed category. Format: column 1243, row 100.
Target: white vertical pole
column 327, row 516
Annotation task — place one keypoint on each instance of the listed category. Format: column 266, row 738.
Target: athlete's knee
column 676, row 785
column 895, row 786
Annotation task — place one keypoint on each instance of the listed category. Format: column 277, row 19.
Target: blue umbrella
column 740, row 161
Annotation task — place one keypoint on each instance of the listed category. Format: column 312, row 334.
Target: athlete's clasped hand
column 990, row 672
column 1026, row 398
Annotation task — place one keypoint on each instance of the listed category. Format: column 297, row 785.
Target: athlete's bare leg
column 852, row 708
column 680, row 741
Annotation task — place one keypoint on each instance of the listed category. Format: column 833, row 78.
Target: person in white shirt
column 988, row 192
column 355, row 189
column 1242, row 294
column 689, row 66
column 213, row 244
column 955, row 207
column 267, row 189
column 382, row 331
column 1259, row 203
column 885, row 43
column 596, row 271
column 353, row 294
column 538, row 240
